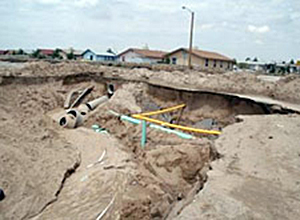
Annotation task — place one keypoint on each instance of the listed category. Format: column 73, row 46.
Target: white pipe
column 67, row 121
column 96, row 102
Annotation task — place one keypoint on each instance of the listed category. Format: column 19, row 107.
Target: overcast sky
column 268, row 29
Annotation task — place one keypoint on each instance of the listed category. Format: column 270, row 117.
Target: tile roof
column 204, row 54
column 146, row 53
column 46, row 51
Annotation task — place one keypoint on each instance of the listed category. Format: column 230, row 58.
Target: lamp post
column 191, row 35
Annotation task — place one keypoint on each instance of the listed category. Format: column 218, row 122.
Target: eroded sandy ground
column 46, row 174
column 258, row 177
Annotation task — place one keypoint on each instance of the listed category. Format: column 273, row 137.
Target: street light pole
column 191, row 36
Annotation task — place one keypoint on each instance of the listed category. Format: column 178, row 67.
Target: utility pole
column 191, row 36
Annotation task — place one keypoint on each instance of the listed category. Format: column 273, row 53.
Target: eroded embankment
column 147, row 184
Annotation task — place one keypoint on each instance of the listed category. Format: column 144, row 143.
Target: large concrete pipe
column 67, row 121
column 93, row 104
column 110, row 90
column 75, row 117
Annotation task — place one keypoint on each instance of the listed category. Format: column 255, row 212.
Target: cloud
column 259, row 30
column 207, row 26
column 45, row 2
column 68, row 3
column 86, row 3
column 259, row 42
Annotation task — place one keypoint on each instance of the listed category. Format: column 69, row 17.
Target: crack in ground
column 67, row 175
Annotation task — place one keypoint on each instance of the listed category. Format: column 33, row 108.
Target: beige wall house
column 133, row 55
column 200, row 58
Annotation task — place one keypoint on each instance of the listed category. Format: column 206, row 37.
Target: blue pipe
column 167, row 130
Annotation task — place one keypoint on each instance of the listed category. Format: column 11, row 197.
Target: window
column 174, row 60
column 228, row 65
column 91, row 57
column 221, row 64
column 206, row 62
column 215, row 63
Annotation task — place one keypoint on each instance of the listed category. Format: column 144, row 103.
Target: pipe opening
column 110, row 90
column 89, row 106
column 63, row 121
column 73, row 112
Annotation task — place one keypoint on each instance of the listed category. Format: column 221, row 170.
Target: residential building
column 77, row 54
column 254, row 66
column 200, row 58
column 104, row 57
column 46, row 52
column 133, row 55
column 2, row 52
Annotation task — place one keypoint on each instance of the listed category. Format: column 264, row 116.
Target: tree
column 248, row 59
column 36, row 54
column 70, row 55
column 20, row 52
column 255, row 59
column 292, row 62
column 56, row 54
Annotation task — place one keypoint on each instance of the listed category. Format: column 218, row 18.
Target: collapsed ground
column 45, row 169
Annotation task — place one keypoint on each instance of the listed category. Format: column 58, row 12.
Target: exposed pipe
column 81, row 96
column 163, row 123
column 167, row 130
column 75, row 117
column 93, row 104
column 67, row 121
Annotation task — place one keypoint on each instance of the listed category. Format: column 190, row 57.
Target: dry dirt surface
column 48, row 172
column 286, row 88
column 258, row 175
column 34, row 159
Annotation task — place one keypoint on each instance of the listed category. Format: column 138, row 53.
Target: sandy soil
column 258, row 176
column 286, row 88
column 44, row 167
column 46, row 170
column 33, row 157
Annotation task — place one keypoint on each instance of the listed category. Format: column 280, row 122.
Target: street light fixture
column 191, row 35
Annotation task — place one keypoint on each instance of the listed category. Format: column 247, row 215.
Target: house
column 104, row 57
column 200, row 58
column 45, row 52
column 10, row 52
column 77, row 54
column 2, row 52
column 255, row 65
column 133, row 55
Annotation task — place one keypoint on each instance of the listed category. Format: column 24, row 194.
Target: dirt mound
column 33, row 157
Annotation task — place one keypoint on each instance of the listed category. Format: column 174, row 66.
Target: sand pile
column 33, row 158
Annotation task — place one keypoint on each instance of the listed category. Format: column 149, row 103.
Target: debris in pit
column 145, row 117
column 99, row 129
column 106, row 209
column 98, row 161
column 75, row 117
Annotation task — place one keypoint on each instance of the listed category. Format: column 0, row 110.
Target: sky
column 269, row 30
